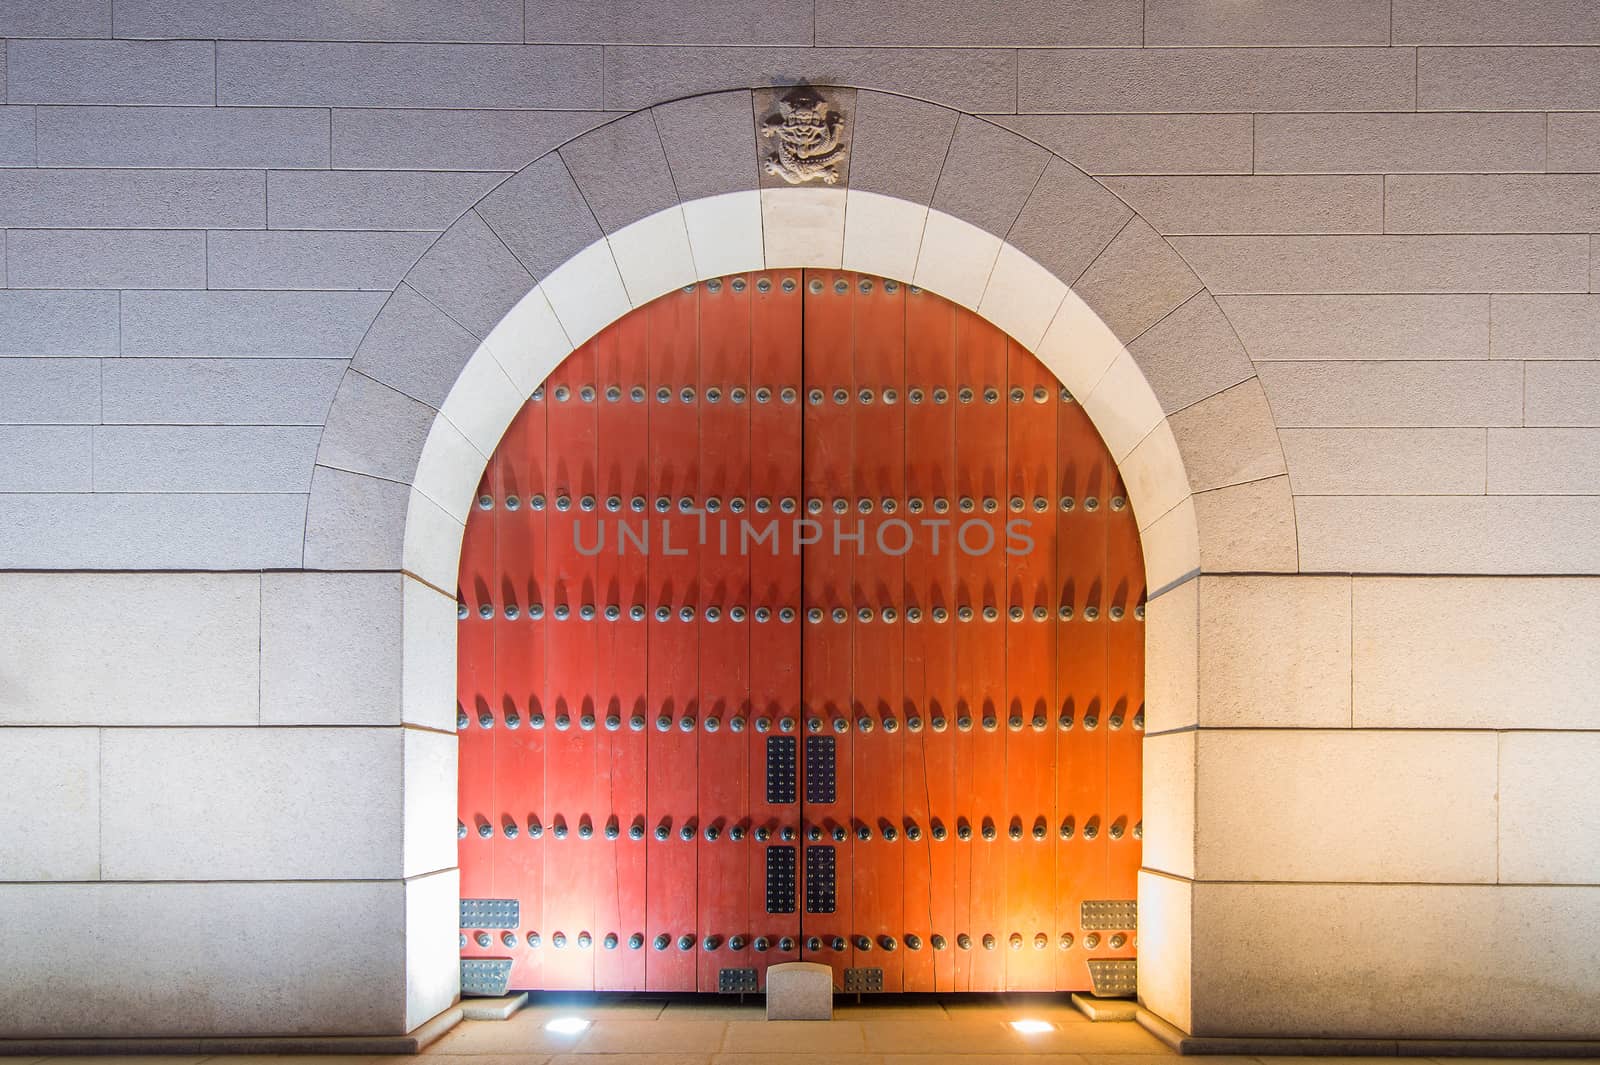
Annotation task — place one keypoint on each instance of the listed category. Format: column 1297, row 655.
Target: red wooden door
column 801, row 616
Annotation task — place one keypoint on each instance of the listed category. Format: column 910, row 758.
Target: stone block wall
column 1387, row 718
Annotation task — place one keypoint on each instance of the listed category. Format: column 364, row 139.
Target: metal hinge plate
column 1108, row 915
column 736, row 981
column 863, row 980
column 490, row 913
column 485, row 976
column 1114, row 977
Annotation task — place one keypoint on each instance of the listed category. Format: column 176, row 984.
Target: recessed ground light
column 566, row 1025
column 1027, row 1026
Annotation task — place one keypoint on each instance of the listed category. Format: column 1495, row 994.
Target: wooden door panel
column 827, row 573
column 801, row 616
column 774, row 606
column 672, row 750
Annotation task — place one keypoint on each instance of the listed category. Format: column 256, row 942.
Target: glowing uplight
column 1028, row 1026
column 566, row 1025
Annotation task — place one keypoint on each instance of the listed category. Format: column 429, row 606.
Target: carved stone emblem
column 804, row 138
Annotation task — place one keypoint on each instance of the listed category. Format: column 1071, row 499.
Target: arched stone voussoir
column 621, row 170
column 373, row 429
column 710, row 144
column 1191, row 354
column 1228, row 438
column 1137, row 281
column 356, row 522
column 1247, row 528
column 1067, row 220
column 987, row 176
column 540, row 215
column 967, row 209
column 897, row 152
column 470, row 275
column 415, row 348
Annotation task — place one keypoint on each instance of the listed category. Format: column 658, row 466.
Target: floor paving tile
column 143, row 1059
column 1058, row 1009
column 976, row 1036
column 1287, row 1059
column 258, row 1059
column 892, row 1008
column 662, row 1036
column 464, row 1059
column 881, row 1012
column 1165, row 1056
column 132, row 1059
column 980, row 1059
column 797, row 1037
column 1109, row 1038
column 775, row 1057
column 523, row 1034
column 714, row 1011
column 631, row 1059
column 595, row 1008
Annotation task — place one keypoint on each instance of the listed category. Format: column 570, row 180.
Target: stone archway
column 671, row 195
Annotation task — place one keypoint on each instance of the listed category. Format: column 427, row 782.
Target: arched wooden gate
column 801, row 617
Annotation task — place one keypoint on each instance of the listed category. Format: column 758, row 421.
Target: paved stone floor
column 653, row 1032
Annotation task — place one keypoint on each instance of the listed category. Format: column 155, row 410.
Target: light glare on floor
column 566, row 1025
column 1028, row 1026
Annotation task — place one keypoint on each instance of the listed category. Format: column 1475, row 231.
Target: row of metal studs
column 814, row 833
column 840, row 285
column 814, row 396
column 636, row 723
column 815, row 615
column 687, row 942
column 788, row 505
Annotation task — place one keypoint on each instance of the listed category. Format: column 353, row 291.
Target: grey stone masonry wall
column 1394, row 208
column 1377, row 219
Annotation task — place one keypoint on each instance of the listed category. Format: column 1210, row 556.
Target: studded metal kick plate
column 780, row 769
column 736, row 981
column 863, row 979
column 1106, row 915
column 490, row 913
column 1114, row 977
column 780, row 879
column 820, row 786
column 819, row 879
column 485, row 976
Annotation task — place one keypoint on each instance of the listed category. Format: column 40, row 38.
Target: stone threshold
column 1184, row 1043
column 411, row 1042
column 1105, row 1009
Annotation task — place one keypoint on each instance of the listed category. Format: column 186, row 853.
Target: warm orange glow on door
column 801, row 617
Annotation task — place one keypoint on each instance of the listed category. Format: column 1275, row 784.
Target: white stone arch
column 797, row 228
column 669, row 196
column 848, row 229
